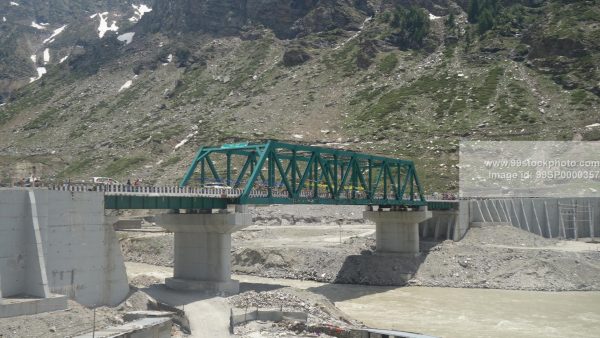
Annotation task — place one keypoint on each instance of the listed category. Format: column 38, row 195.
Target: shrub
column 411, row 25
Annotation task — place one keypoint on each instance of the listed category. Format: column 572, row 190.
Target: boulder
column 295, row 56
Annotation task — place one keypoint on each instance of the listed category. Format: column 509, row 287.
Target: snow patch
column 33, row 58
column 56, row 32
column 298, row 136
column 592, row 126
column 46, row 56
column 185, row 140
column 126, row 85
column 104, row 27
column 127, row 37
column 41, row 71
column 12, row 3
column 63, row 59
column 93, row 16
column 433, row 17
column 37, row 25
column 3, row 19
column 140, row 10
column 169, row 59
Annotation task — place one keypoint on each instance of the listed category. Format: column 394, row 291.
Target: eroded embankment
column 501, row 257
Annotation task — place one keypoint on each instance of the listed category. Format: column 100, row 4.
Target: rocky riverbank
column 324, row 250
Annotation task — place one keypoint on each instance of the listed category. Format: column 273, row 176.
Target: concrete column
column 397, row 231
column 203, row 250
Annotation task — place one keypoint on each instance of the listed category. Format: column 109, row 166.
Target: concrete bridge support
column 397, row 231
column 203, row 249
column 56, row 245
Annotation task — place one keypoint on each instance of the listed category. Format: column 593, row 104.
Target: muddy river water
column 447, row 312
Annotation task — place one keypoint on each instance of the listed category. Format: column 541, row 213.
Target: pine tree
column 451, row 21
column 413, row 26
column 473, row 11
column 486, row 21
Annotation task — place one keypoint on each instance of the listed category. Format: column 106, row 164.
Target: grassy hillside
column 409, row 84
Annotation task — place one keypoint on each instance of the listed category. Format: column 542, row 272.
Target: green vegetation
column 344, row 58
column 388, row 63
column 367, row 95
column 410, row 27
column 396, row 99
column 47, row 118
column 483, row 13
column 120, row 166
column 580, row 97
column 163, row 133
column 513, row 105
column 77, row 168
column 29, row 97
column 483, row 95
column 126, row 98
column 171, row 161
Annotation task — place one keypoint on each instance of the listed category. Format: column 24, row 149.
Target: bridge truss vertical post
column 301, row 174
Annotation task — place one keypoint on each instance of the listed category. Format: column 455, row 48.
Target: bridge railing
column 151, row 190
column 229, row 192
column 232, row 193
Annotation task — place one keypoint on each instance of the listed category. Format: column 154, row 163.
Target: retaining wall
column 542, row 216
column 447, row 224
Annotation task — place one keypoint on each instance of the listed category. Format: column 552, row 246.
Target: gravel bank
column 321, row 313
column 501, row 257
column 75, row 320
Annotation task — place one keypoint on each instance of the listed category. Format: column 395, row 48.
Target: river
column 448, row 312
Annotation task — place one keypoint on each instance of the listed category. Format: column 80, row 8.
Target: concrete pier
column 397, row 231
column 203, row 249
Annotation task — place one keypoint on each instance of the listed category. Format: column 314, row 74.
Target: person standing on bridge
column 128, row 185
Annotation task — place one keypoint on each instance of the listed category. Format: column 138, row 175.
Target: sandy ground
column 208, row 316
column 75, row 320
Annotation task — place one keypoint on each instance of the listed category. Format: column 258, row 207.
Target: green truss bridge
column 279, row 173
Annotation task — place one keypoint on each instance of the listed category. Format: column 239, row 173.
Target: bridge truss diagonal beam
column 282, row 173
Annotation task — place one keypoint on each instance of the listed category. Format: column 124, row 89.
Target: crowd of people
column 30, row 181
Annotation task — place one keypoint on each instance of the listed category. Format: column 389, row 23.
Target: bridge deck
column 129, row 197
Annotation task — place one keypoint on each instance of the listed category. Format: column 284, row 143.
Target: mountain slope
column 361, row 75
column 28, row 28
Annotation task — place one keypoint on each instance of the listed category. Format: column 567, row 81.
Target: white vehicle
column 216, row 186
column 104, row 181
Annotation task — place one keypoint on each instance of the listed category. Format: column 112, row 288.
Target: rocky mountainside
column 29, row 27
column 128, row 97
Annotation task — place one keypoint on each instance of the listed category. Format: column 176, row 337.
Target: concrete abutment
column 55, row 245
column 202, row 249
